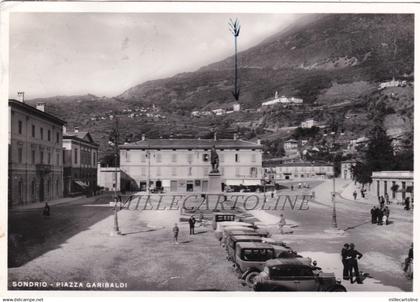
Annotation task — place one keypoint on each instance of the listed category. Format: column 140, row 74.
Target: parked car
column 219, row 217
column 250, row 258
column 231, row 242
column 232, row 231
column 222, row 225
column 222, row 234
column 296, row 274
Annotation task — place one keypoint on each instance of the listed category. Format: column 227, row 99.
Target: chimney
column 40, row 106
column 21, row 96
column 76, row 129
column 143, row 137
column 235, row 136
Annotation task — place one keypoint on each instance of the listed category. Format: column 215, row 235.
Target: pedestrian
column 291, row 187
column 407, row 203
column 46, row 211
column 191, row 222
column 272, row 194
column 362, row 193
column 355, row 194
column 354, row 256
column 373, row 214
column 409, row 259
column 282, row 223
column 386, row 215
column 380, row 216
column 175, row 230
column 387, row 199
column 345, row 260
column 382, row 202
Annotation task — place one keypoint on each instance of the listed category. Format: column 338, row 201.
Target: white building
column 392, row 83
column 309, row 123
column 299, row 170
column 346, row 169
column 236, row 107
column 397, row 184
column 183, row 165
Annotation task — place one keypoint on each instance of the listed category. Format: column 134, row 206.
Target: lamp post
column 334, row 213
column 116, row 230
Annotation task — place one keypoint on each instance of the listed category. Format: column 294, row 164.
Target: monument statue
column 214, row 160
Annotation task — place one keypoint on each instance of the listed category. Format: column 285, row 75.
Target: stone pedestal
column 215, row 183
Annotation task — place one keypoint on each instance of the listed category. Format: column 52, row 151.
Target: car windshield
column 257, row 254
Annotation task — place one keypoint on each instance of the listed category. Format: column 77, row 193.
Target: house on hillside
column 309, row 123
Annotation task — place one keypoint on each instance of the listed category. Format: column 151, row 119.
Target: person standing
column 175, row 230
column 191, row 222
column 373, row 213
column 407, row 203
column 354, row 256
column 409, row 259
column 386, row 215
column 282, row 223
column 345, row 260
column 46, row 211
column 380, row 216
column 355, row 194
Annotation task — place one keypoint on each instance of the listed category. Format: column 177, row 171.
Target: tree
column 361, row 173
column 379, row 155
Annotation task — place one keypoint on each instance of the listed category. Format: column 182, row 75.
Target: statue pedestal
column 215, row 183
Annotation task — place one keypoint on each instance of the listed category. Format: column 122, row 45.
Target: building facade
column 35, row 154
column 183, row 165
column 346, row 169
column 80, row 157
column 109, row 178
column 298, row 170
column 397, row 184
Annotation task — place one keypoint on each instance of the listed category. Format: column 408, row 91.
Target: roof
column 81, row 136
column 298, row 164
column 288, row 261
column 245, row 237
column 191, row 144
column 34, row 111
column 254, row 245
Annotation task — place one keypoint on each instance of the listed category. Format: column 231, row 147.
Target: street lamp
column 116, row 230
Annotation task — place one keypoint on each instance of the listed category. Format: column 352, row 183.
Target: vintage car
column 231, row 224
column 233, row 231
column 296, row 274
column 219, row 217
column 231, row 242
column 250, row 258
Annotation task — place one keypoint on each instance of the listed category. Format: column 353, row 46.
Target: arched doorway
column 41, row 189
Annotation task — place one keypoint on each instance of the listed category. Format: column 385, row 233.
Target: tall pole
column 235, row 29
column 116, row 230
column 334, row 214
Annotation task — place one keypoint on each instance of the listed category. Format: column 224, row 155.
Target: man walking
column 355, row 194
column 380, row 215
column 345, row 260
column 354, row 256
column 46, row 211
column 282, row 223
column 191, row 222
column 175, row 230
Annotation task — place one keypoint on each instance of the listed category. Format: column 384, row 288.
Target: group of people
column 349, row 258
column 380, row 215
column 191, row 222
column 362, row 193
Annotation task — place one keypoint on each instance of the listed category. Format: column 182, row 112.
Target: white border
column 182, row 7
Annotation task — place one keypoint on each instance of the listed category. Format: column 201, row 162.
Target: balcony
column 43, row 168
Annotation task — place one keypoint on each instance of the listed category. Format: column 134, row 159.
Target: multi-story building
column 397, row 184
column 35, row 154
column 346, row 167
column 80, row 158
column 298, row 170
column 183, row 165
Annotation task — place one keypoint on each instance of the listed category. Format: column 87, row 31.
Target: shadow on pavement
column 31, row 234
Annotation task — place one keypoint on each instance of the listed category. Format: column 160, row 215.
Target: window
column 57, row 137
column 236, row 158
column 253, row 172
column 20, row 155
column 33, row 130
column 41, row 131
column 49, row 158
column 174, row 157
column 41, row 157
column 20, row 127
column 257, row 254
column 173, row 171
column 158, row 157
column 75, row 155
column 49, row 135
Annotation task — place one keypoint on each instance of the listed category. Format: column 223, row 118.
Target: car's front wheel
column 250, row 278
column 337, row 288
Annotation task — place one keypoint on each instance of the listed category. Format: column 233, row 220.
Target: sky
column 106, row 53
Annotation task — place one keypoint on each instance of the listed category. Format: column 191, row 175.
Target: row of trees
column 379, row 155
